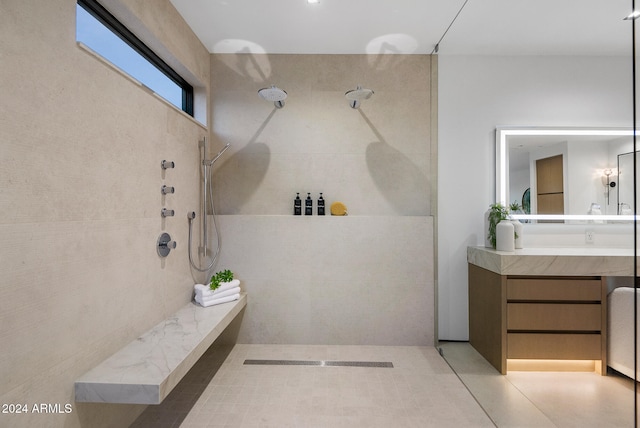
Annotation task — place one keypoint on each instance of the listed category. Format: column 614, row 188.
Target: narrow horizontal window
column 104, row 34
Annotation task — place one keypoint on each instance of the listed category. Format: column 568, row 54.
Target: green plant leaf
column 222, row 276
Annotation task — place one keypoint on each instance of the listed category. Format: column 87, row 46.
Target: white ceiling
column 484, row 27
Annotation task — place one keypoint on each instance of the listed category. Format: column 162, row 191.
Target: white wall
column 519, row 182
column 478, row 94
column 584, row 184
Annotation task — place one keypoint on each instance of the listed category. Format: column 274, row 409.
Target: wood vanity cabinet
column 537, row 317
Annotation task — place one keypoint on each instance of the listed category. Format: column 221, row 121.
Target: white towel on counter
column 227, row 293
column 205, row 290
column 217, row 301
column 224, row 286
column 201, row 287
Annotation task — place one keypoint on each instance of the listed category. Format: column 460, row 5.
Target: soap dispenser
column 320, row 205
column 297, row 205
column 308, row 205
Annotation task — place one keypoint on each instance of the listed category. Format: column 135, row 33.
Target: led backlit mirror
column 565, row 174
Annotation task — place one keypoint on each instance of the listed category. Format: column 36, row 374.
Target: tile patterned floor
column 420, row 390
column 544, row 399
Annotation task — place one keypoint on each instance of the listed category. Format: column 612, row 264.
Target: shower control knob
column 166, row 164
column 165, row 245
column 167, row 213
column 166, row 189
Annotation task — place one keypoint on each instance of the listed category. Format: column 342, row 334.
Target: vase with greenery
column 497, row 213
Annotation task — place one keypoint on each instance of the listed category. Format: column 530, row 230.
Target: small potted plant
column 497, row 213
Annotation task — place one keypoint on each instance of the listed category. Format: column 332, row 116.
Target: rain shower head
column 274, row 94
column 356, row 95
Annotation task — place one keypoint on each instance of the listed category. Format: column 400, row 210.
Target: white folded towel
column 224, row 286
column 217, row 301
column 206, row 298
column 205, row 290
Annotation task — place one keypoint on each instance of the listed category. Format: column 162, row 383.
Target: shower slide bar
column 207, row 192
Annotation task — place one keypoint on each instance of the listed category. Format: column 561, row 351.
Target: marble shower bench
column 147, row 369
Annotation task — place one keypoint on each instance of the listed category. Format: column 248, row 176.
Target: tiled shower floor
column 420, row 390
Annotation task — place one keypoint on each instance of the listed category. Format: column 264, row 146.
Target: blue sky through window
column 103, row 41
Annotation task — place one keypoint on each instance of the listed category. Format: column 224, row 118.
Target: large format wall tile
column 364, row 280
column 376, row 159
column 80, row 202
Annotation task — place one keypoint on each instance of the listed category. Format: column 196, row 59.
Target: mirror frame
column 502, row 180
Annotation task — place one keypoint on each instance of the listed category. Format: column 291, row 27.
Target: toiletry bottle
column 297, row 205
column 320, row 205
column 308, row 205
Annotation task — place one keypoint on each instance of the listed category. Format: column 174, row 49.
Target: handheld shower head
column 356, row 95
column 224, row 149
column 274, row 94
column 210, row 162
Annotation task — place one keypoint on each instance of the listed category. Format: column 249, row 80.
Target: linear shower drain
column 321, row 363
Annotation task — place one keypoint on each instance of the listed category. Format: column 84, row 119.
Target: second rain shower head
column 356, row 95
column 274, row 94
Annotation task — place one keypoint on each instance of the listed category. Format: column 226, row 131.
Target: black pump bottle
column 320, row 205
column 308, row 205
column 297, row 205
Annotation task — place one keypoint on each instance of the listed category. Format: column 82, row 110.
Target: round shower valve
column 165, row 245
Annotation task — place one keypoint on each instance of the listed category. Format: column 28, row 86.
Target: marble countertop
column 579, row 261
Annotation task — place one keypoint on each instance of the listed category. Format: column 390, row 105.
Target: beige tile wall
column 364, row 279
column 355, row 280
column 80, row 200
column 376, row 159
column 80, row 149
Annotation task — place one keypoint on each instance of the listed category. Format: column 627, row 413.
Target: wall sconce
column 609, row 179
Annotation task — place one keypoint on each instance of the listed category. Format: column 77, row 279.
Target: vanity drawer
column 554, row 289
column 554, row 346
column 554, row 316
